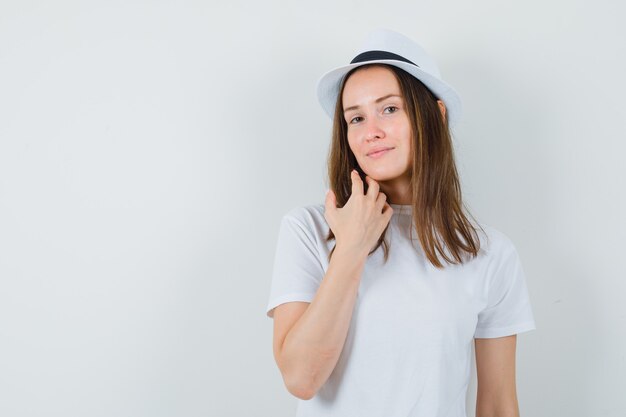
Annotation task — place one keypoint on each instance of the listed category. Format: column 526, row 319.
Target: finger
column 357, row 184
column 373, row 188
column 381, row 201
column 388, row 210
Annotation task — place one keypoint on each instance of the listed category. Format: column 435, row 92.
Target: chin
column 384, row 174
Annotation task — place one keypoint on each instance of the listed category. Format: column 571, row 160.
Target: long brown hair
column 438, row 210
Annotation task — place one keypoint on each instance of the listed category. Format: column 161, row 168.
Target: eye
column 392, row 107
column 354, row 118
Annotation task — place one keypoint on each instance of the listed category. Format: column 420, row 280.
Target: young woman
column 378, row 294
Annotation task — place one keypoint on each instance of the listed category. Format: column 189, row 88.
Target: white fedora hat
column 388, row 47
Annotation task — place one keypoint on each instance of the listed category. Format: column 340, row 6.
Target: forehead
column 368, row 84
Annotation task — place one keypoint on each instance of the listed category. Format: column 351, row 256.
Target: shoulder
column 307, row 213
column 310, row 217
column 494, row 242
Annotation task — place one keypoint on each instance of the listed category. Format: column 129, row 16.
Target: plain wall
column 149, row 149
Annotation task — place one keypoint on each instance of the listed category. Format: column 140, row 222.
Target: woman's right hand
column 360, row 222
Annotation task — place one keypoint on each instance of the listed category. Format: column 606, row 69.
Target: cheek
column 404, row 127
column 405, row 135
column 353, row 145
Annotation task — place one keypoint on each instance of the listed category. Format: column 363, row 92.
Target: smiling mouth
column 379, row 153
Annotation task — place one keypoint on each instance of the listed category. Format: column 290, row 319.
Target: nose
column 373, row 130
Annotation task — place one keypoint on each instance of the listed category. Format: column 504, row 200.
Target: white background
column 149, row 149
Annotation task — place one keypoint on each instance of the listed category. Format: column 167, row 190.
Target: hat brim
column 329, row 83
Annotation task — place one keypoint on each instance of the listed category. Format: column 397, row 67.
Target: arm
column 307, row 347
column 495, row 369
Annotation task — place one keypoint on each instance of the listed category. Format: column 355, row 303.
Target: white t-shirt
column 408, row 348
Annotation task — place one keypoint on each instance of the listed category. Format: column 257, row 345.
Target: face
column 376, row 115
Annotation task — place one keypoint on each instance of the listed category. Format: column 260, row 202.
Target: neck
column 397, row 190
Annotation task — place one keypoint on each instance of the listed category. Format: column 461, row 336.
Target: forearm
column 313, row 345
column 502, row 406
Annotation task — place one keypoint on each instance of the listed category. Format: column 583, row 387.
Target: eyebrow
column 377, row 101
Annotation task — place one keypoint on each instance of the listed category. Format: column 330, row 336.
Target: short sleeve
column 508, row 310
column 297, row 271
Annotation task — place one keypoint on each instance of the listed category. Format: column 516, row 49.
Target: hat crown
column 397, row 43
column 384, row 46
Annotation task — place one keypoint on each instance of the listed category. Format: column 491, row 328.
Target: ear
column 442, row 107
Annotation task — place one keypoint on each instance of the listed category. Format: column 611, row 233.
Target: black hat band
column 375, row 55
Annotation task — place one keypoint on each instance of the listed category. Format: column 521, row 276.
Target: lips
column 381, row 148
